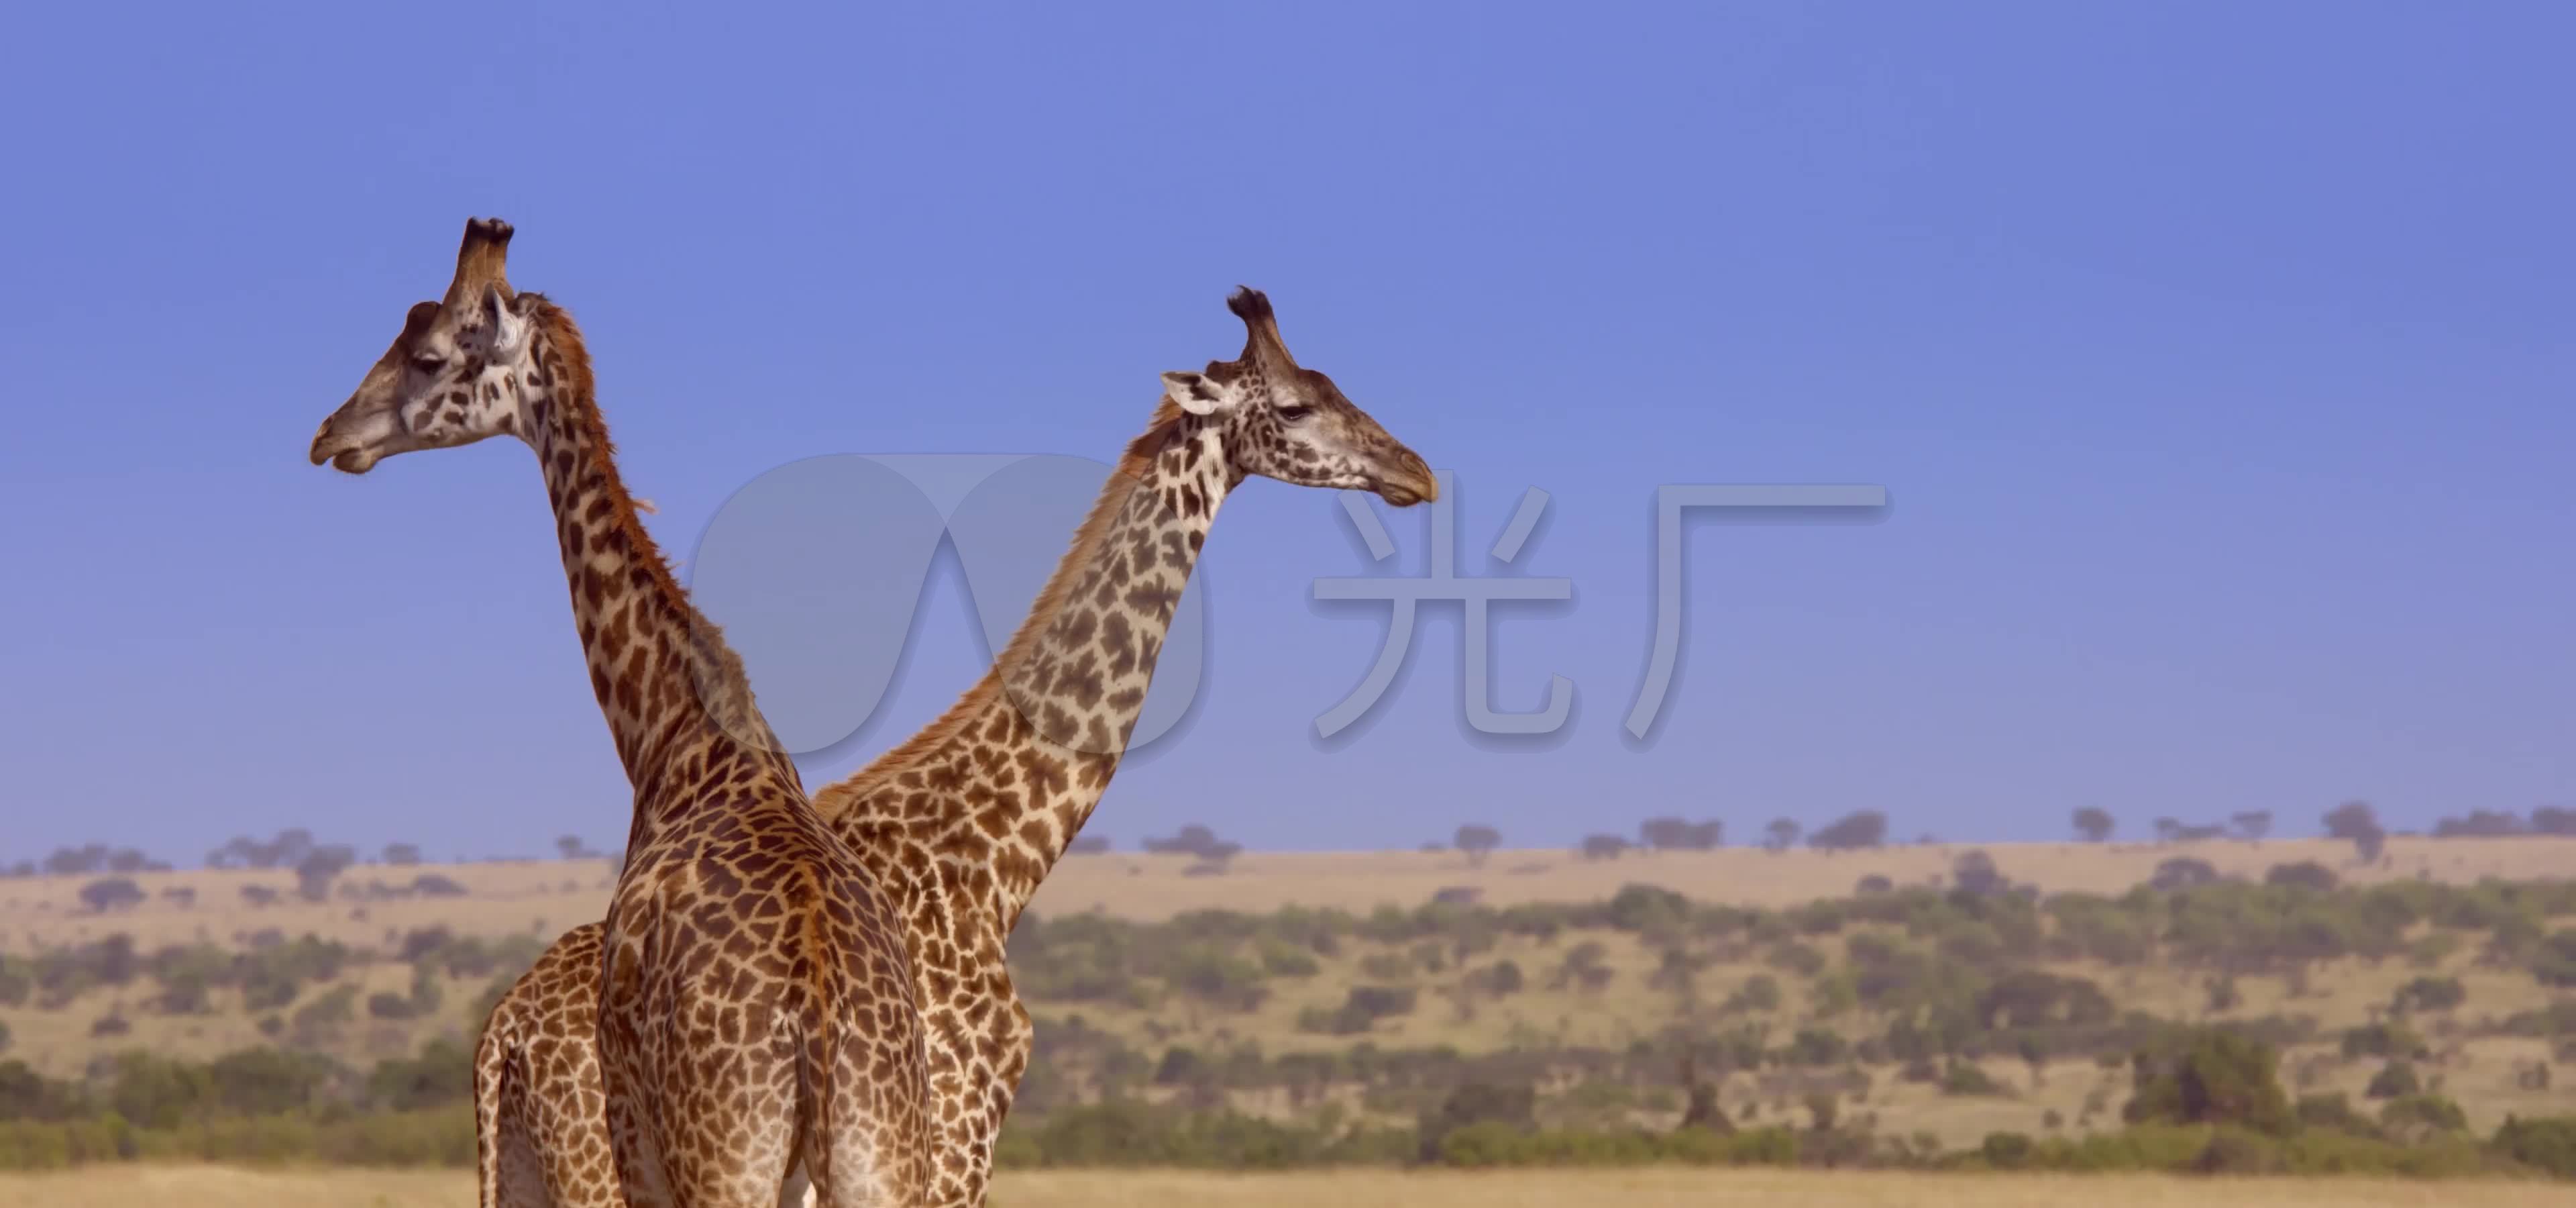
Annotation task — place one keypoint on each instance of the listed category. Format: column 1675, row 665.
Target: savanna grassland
column 221, row 1187
column 2025, row 1007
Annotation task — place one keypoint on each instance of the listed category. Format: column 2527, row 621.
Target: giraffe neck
column 666, row 682
column 1065, row 694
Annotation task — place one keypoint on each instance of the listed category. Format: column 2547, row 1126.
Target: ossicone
column 482, row 261
column 1249, row 305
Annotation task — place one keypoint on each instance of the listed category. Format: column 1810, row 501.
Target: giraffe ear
column 1196, row 393
column 509, row 328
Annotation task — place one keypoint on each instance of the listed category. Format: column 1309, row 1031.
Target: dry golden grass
column 542, row 898
column 551, row 896
column 1151, row 887
column 215, row 1187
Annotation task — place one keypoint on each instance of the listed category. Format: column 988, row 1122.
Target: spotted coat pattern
column 744, row 1019
column 963, row 821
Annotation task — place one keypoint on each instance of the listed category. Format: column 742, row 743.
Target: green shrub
column 1511, row 1108
column 1387, row 966
column 2334, row 1112
column 2394, row 1080
column 2555, row 963
column 1816, row 1046
column 1968, row 1078
column 2006, row 1150
column 1760, row 992
column 1499, row 979
column 2384, row 1040
column 2428, row 994
column 2416, row 1117
column 1482, row 1144
column 1797, row 958
column 1212, row 975
column 2210, row 1076
column 1285, row 960
column 2544, row 1143
column 441, row 1074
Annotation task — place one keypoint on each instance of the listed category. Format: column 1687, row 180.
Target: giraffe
column 962, row 821
column 754, row 1022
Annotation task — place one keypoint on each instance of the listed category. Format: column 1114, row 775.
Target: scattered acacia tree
column 1975, row 872
column 1781, row 835
column 1478, row 841
column 287, row 850
column 1513, row 1107
column 2307, row 874
column 1193, row 840
column 2252, row 825
column 319, row 867
column 1851, row 832
column 1702, row 1111
column 1675, row 834
column 2556, row 964
column 401, row 855
column 2428, row 994
column 2210, row 1076
column 2094, row 824
column 1663, row 834
column 2182, row 872
column 2358, row 824
column 99, row 857
column 75, row 861
column 1603, row 847
column 111, row 893
column 1088, row 845
column 2486, row 824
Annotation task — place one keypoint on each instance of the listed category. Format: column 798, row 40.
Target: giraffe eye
column 428, row 364
column 1293, row 414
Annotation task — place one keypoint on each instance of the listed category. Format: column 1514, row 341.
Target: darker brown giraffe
column 752, row 1017
column 964, row 820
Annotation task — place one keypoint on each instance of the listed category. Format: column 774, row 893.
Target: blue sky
column 2216, row 357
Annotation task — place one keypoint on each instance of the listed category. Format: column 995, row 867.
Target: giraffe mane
column 832, row 799
column 724, row 688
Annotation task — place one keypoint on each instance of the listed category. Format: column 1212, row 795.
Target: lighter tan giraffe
column 962, row 821
column 750, row 1022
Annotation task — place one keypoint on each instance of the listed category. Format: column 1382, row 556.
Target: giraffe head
column 455, row 374
column 1280, row 420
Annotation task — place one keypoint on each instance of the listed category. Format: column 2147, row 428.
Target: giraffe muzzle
column 345, row 454
column 1408, row 481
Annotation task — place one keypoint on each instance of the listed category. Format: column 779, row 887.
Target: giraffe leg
column 506, row 1168
column 578, row 1161
column 854, row 1157
column 737, row 1160
column 637, row 1160
column 521, row 1181
column 797, row 1191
